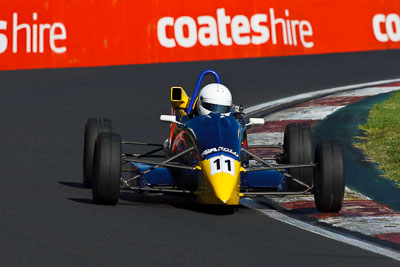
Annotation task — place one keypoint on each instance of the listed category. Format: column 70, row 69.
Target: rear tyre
column 93, row 127
column 329, row 177
column 297, row 149
column 107, row 169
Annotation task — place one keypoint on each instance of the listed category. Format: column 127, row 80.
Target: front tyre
column 107, row 169
column 329, row 177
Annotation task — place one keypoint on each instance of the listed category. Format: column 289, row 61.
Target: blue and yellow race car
column 208, row 157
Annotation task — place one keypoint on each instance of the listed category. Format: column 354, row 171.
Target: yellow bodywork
column 179, row 100
column 221, row 188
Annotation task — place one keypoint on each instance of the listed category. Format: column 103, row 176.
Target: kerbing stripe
column 303, row 113
column 317, row 230
column 265, row 138
column 370, row 91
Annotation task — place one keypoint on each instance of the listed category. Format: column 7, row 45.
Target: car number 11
column 222, row 163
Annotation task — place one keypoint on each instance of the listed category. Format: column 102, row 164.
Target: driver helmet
column 214, row 97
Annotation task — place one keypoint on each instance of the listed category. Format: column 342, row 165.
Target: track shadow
column 71, row 184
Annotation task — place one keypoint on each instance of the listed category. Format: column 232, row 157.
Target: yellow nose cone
column 220, row 181
column 224, row 186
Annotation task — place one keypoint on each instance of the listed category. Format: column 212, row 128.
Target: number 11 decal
column 222, row 163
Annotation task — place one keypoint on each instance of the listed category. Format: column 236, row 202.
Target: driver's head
column 214, row 97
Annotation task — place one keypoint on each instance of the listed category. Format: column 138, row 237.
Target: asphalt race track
column 47, row 218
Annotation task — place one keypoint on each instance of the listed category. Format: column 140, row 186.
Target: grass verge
column 381, row 142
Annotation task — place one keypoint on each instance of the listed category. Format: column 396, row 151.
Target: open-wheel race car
column 208, row 157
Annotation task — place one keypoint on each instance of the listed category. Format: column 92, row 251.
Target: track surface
column 48, row 219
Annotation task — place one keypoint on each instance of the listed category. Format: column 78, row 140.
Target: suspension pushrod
column 158, row 164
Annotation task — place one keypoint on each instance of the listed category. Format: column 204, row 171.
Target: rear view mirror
column 255, row 121
column 168, row 118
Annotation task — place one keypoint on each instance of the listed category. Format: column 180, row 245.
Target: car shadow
column 186, row 202
column 301, row 211
column 82, row 200
column 178, row 202
column 71, row 184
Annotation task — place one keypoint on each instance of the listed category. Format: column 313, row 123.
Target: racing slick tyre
column 297, row 149
column 93, row 127
column 107, row 169
column 329, row 177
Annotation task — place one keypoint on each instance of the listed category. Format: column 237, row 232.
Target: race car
column 208, row 157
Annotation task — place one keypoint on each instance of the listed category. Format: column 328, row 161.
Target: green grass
column 381, row 143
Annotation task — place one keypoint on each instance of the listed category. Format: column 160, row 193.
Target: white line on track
column 248, row 111
column 252, row 204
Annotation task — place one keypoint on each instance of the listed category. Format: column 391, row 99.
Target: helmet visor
column 216, row 108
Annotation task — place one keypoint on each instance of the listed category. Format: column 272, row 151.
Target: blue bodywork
column 216, row 131
column 213, row 134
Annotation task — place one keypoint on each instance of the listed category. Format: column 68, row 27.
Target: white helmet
column 214, row 97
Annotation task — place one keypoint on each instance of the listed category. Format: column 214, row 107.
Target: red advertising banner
column 76, row 33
